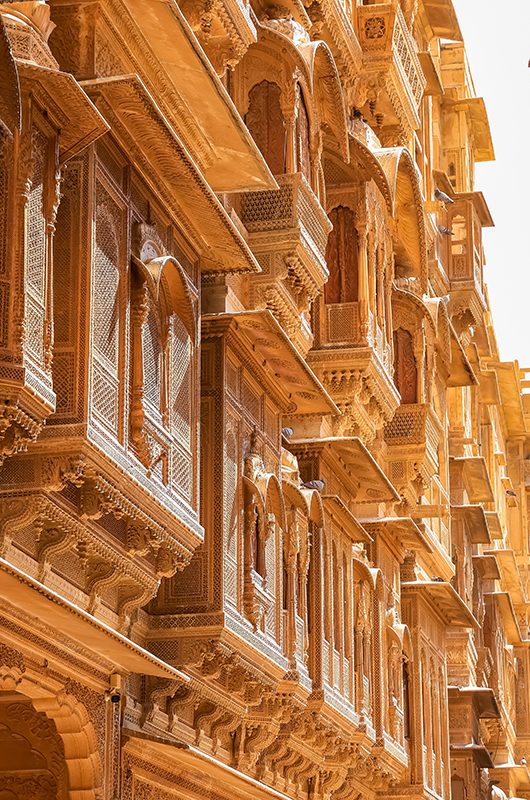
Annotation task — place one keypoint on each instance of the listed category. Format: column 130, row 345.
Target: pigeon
column 287, row 432
column 511, row 493
column 317, row 484
column 523, row 762
column 442, row 196
column 437, row 579
column 445, row 231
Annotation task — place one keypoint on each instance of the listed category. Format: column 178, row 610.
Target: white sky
column 497, row 37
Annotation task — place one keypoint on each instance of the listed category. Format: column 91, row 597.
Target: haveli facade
column 263, row 509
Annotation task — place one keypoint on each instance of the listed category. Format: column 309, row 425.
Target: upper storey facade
column 263, row 486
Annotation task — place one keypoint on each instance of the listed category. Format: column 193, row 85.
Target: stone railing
column 342, row 324
column 389, row 46
column 414, row 424
column 291, row 208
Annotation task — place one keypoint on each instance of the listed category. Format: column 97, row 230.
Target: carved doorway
column 32, row 762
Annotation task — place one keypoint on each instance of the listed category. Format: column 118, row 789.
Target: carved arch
column 363, row 166
column 327, row 91
column 410, row 239
column 73, row 725
column 168, row 283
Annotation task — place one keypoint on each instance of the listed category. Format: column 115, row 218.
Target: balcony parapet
column 288, row 231
column 390, row 58
column 413, row 438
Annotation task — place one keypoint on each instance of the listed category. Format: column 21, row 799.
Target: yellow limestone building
column 263, row 494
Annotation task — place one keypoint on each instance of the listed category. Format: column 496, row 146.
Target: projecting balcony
column 353, row 359
column 343, row 325
column 469, row 214
column 390, row 53
column 413, row 440
column 287, row 232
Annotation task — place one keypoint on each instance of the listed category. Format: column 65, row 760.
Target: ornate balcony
column 469, row 214
column 352, row 358
column 413, row 439
column 288, row 231
column 391, row 60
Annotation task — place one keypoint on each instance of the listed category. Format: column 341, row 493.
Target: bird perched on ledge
column 445, row 231
column 443, row 197
column 316, row 484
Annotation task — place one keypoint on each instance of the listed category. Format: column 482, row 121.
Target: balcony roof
column 434, row 86
column 77, row 118
column 443, row 597
column 195, row 99
column 494, row 524
column 165, row 163
column 482, row 697
column 476, row 478
column 263, row 341
column 479, row 204
column 402, row 529
column 475, row 521
column 69, row 620
column 198, row 766
column 489, row 388
column 443, row 19
column 487, row 566
column 460, row 372
column 480, row 127
column 479, row 753
column 338, row 510
column 371, row 482
column 509, row 617
column 510, row 575
column 510, row 390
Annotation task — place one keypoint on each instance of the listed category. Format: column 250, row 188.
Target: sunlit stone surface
column 263, row 517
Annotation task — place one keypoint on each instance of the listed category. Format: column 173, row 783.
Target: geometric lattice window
column 181, row 383
column 151, row 345
column 106, row 284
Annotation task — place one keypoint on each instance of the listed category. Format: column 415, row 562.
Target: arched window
column 342, row 257
column 405, row 370
column 303, row 139
column 265, row 122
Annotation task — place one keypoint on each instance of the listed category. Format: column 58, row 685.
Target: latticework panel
column 106, row 308
column 65, row 319
column 64, row 381
column 180, row 383
column 4, row 223
column 182, row 472
column 106, row 278
column 63, row 283
column 36, row 223
column 151, row 359
column 251, row 402
column 34, row 327
column 105, row 395
column 231, row 504
column 265, row 211
column 407, row 426
column 36, row 248
column 4, row 314
column 343, row 322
